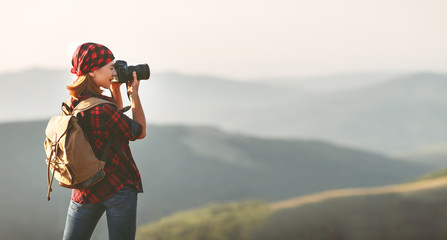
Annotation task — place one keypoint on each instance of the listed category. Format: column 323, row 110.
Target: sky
column 238, row 39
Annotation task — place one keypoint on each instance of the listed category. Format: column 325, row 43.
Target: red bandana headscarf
column 89, row 57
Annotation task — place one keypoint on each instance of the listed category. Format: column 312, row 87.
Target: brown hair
column 84, row 82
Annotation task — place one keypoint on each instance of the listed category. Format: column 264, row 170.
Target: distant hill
column 33, row 94
column 402, row 115
column 335, row 82
column 185, row 167
column 411, row 211
column 394, row 115
column 167, row 97
column 435, row 155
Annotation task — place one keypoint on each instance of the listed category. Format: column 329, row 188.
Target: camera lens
column 142, row 71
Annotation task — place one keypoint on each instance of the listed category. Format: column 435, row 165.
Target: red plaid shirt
column 101, row 123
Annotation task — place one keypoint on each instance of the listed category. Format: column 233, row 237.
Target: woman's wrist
column 116, row 94
column 133, row 94
column 115, row 89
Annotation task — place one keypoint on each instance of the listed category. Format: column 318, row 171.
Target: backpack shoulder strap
column 89, row 103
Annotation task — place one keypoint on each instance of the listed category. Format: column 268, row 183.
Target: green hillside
column 217, row 222
column 414, row 210
column 435, row 175
column 410, row 211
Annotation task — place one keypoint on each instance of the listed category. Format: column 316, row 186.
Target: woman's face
column 103, row 76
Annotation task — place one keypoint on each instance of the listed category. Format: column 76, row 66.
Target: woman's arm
column 116, row 94
column 137, row 109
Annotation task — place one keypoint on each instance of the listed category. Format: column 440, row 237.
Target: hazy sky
column 241, row 39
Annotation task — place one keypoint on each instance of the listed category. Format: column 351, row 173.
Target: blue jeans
column 121, row 211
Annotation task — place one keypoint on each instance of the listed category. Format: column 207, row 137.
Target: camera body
column 124, row 72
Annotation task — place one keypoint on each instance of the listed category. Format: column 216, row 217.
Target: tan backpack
column 70, row 156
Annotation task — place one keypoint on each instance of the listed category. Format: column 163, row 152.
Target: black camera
column 124, row 72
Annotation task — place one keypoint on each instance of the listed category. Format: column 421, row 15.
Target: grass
column 214, row 222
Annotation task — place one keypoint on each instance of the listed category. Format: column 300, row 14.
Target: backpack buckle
column 66, row 109
column 54, row 143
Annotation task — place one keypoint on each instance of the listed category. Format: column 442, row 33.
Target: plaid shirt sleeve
column 101, row 123
column 120, row 124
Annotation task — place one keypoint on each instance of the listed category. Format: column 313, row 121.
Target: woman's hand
column 137, row 109
column 133, row 87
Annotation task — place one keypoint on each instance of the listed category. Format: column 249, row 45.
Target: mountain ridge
column 172, row 165
column 426, row 184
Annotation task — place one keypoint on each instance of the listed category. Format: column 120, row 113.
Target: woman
column 116, row 194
